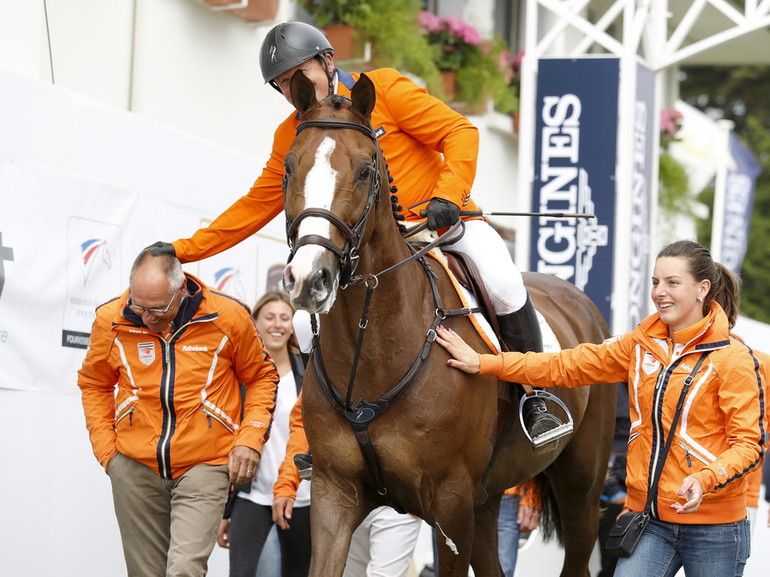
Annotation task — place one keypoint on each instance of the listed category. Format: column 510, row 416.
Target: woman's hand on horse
column 282, row 509
column 464, row 357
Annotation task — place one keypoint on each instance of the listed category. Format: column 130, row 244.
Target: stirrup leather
column 555, row 433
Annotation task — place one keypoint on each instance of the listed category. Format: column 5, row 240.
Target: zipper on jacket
column 166, row 402
column 686, row 454
column 130, row 414
column 689, row 453
column 210, row 416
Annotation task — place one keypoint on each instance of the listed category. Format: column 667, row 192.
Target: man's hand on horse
column 282, row 509
column 242, row 464
column 441, row 213
column 464, row 357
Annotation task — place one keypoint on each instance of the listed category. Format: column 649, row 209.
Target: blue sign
column 575, row 157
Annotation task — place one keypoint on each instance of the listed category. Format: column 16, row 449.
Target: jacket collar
column 711, row 332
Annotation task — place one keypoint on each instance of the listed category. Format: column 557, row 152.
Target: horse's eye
column 287, row 169
column 365, row 173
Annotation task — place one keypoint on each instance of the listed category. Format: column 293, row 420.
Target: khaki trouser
column 168, row 527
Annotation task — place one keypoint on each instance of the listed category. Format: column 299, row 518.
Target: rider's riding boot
column 521, row 332
column 304, row 462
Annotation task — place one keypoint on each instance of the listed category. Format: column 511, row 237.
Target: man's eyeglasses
column 153, row 311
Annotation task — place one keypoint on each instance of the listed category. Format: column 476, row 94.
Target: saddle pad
column 482, row 326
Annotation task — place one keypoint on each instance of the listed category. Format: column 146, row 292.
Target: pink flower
column 429, row 21
column 461, row 29
column 670, row 119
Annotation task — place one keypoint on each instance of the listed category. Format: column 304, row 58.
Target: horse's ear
column 302, row 92
column 363, row 95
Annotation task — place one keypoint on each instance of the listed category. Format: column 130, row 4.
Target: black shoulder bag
column 629, row 527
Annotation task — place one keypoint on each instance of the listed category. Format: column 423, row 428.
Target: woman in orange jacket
column 431, row 151
column 698, row 520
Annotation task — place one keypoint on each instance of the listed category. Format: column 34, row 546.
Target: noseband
column 348, row 254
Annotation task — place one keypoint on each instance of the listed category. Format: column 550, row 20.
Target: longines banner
column 575, row 157
column 73, row 217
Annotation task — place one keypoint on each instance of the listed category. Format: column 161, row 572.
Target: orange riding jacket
column 172, row 404
column 721, row 433
column 431, row 151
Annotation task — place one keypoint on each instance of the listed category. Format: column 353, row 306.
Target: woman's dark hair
column 725, row 286
column 272, row 296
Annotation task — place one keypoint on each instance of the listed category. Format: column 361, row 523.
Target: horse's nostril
column 288, row 280
column 320, row 282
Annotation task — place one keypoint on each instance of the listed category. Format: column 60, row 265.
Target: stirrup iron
column 554, row 434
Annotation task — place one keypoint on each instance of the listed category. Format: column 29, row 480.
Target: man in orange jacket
column 161, row 395
column 431, row 151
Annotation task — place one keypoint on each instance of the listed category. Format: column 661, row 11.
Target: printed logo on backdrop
column 230, row 280
column 93, row 250
column 93, row 276
column 6, row 254
column 146, row 353
column 575, row 156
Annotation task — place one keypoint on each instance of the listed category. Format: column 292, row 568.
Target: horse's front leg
column 453, row 524
column 484, row 559
column 336, row 509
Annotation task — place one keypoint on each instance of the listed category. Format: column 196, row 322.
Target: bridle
column 349, row 253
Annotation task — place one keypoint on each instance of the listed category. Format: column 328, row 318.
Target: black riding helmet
column 288, row 45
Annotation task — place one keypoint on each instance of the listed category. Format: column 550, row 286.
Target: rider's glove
column 441, row 213
column 160, row 247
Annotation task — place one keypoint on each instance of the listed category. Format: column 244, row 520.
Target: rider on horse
column 431, row 150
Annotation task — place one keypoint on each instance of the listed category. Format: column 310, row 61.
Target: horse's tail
column 550, row 519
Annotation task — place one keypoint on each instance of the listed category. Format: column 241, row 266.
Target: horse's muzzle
column 314, row 291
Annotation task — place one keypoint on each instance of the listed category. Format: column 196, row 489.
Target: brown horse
column 387, row 420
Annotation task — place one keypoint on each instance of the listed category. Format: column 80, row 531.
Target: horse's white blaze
column 319, row 192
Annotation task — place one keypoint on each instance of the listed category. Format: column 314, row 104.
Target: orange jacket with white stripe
column 431, row 151
column 721, row 432
column 172, row 404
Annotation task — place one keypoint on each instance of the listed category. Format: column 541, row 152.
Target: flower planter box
column 253, row 11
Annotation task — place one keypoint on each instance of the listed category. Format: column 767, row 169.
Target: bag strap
column 653, row 490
